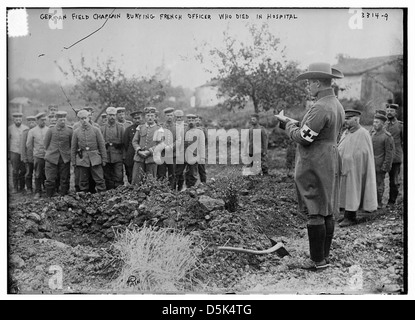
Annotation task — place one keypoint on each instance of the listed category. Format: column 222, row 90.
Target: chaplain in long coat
column 317, row 167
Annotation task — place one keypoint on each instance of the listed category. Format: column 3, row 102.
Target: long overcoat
column 317, row 168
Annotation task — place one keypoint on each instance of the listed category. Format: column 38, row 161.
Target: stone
column 31, row 227
column 16, row 261
column 34, row 217
column 209, row 204
column 391, row 270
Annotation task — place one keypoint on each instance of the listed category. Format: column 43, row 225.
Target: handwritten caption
column 60, row 16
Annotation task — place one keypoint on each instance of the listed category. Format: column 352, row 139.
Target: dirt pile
column 92, row 219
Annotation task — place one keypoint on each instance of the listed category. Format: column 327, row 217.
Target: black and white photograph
column 256, row 151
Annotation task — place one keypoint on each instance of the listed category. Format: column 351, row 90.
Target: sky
column 140, row 45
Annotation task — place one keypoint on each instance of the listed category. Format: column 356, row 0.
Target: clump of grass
column 154, row 260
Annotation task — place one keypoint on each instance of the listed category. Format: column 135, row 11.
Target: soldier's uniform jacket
column 383, row 150
column 317, row 169
column 195, row 134
column 147, row 138
column 34, row 141
column 396, row 130
column 77, row 124
column 25, row 155
column 264, row 139
column 128, row 145
column 180, row 130
column 88, row 141
column 15, row 136
column 125, row 124
column 58, row 143
column 114, row 143
column 170, row 136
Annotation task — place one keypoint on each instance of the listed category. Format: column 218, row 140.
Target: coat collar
column 325, row 93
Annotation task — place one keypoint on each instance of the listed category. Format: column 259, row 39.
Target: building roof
column 21, row 100
column 354, row 66
column 212, row 83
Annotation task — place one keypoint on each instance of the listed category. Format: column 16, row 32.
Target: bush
column 153, row 260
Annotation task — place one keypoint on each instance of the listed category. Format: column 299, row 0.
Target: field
column 78, row 243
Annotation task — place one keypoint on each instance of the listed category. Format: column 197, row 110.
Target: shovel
column 277, row 247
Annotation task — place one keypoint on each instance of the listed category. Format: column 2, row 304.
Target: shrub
column 153, row 260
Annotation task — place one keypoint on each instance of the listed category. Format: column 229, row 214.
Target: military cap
column 120, row 109
column 168, row 110
column 17, row 115
column 83, row 113
column 88, row 108
column 379, row 111
column 61, row 114
column 352, row 113
column 132, row 114
column 40, row 115
column 191, row 116
column 51, row 115
column 392, row 105
column 111, row 110
column 150, row 110
column 31, row 118
column 178, row 113
column 381, row 117
column 104, row 115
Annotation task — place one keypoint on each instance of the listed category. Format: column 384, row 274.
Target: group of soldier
column 103, row 155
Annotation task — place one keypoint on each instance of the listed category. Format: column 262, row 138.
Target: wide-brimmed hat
column 320, row 70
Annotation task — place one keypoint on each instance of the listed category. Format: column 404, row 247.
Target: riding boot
column 50, row 191
column 316, row 238
column 329, row 222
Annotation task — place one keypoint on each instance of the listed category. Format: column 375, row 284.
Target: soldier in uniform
column 88, row 153
column 104, row 119
column 58, row 155
column 52, row 119
column 194, row 153
column 395, row 127
column 35, row 146
column 181, row 128
column 317, row 168
column 146, row 138
column 168, row 166
column 201, row 167
column 264, row 144
column 15, row 132
column 90, row 111
column 121, row 118
column 383, row 150
column 27, row 157
column 113, row 133
column 129, row 151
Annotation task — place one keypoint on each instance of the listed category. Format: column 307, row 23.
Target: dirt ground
column 46, row 255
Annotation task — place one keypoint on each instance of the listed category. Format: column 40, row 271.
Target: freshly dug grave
column 76, row 232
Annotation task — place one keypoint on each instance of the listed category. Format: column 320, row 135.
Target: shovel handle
column 279, row 245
